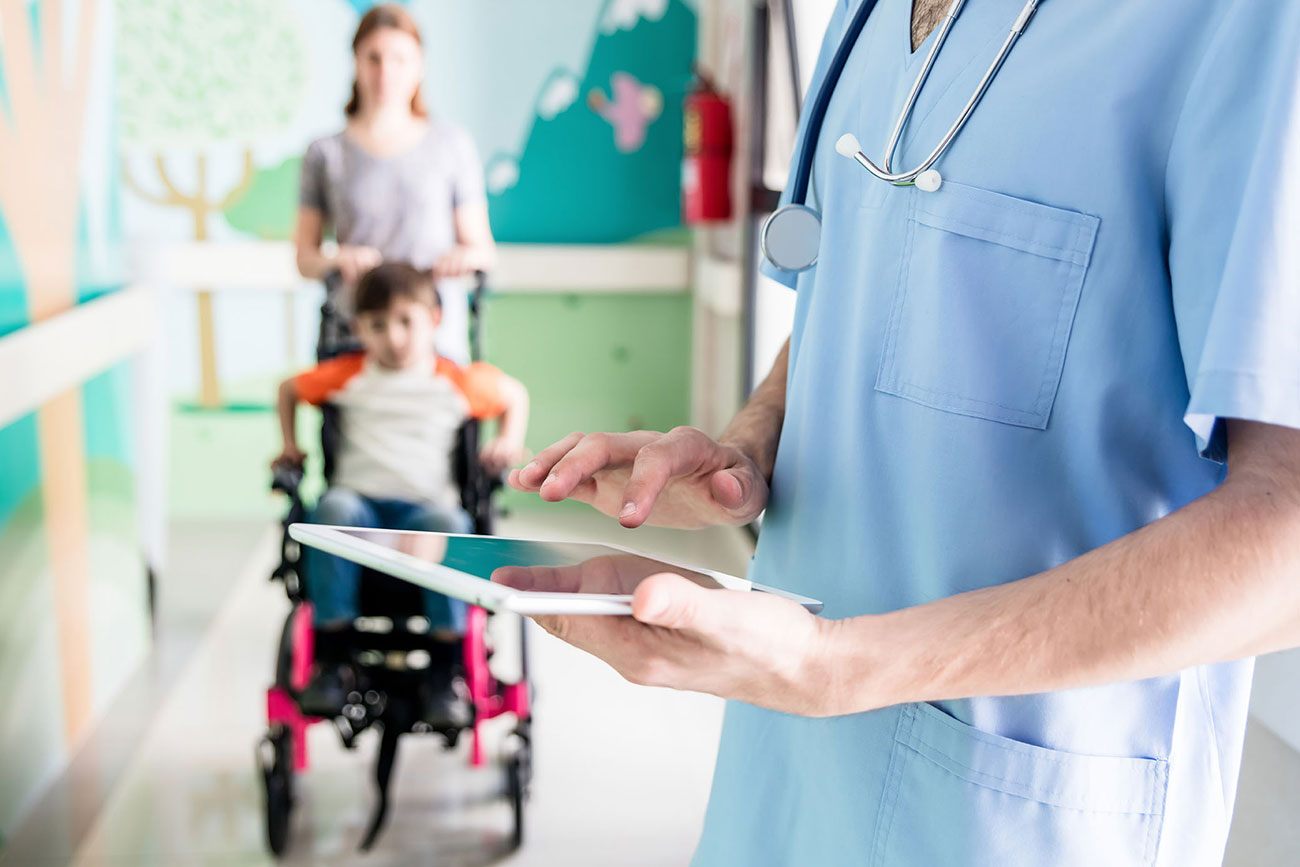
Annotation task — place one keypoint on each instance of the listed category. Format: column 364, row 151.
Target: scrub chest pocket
column 986, row 296
column 957, row 795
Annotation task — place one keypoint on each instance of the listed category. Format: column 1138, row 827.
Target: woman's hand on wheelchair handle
column 682, row 478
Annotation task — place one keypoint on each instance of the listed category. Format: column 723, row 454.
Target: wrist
column 848, row 670
column 754, row 434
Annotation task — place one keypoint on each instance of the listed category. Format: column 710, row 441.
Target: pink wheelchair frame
column 282, row 752
column 490, row 698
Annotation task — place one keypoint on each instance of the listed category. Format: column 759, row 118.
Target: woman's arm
column 308, row 232
column 350, row 261
column 475, row 248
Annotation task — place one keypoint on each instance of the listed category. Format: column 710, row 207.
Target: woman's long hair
column 393, row 16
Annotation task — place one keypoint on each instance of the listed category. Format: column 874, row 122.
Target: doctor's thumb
column 668, row 600
column 728, row 490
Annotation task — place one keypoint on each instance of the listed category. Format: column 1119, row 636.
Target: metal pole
column 755, row 195
column 792, row 47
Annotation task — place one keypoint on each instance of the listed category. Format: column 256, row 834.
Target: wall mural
column 619, row 118
column 218, row 101
column 196, row 77
column 604, row 137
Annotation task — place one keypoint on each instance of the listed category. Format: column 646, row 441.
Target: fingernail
column 548, row 480
column 529, row 467
column 629, row 509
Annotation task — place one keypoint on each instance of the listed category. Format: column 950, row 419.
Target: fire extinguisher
column 706, row 164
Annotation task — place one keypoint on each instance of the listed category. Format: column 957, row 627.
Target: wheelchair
column 386, row 645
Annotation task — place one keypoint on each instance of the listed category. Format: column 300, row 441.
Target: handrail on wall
column 45, row 359
column 269, row 265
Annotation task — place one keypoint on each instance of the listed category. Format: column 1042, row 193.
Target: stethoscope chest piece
column 791, row 238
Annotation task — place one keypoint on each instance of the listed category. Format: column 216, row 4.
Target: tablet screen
column 539, row 566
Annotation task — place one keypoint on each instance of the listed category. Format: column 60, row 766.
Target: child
column 400, row 407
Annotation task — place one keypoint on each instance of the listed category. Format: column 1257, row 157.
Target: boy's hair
column 384, row 284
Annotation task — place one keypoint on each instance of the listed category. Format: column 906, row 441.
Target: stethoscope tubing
column 817, row 117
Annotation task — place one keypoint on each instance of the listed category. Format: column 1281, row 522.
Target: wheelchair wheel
column 277, row 775
column 515, row 787
column 519, row 769
column 284, row 654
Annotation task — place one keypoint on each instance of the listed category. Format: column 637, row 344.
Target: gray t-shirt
column 401, row 205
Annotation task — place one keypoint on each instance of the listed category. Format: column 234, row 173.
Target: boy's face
column 401, row 336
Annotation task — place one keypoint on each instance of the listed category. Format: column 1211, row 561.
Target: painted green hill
column 266, row 210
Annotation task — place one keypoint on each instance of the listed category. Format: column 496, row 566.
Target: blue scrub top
column 993, row 379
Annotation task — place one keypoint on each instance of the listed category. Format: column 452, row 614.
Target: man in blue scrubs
column 1033, row 442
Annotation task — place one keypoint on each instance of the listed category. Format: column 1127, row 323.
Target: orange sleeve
column 316, row 385
column 481, row 383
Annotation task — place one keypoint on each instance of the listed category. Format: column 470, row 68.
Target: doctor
column 1033, row 441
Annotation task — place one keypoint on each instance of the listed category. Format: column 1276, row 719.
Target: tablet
column 527, row 576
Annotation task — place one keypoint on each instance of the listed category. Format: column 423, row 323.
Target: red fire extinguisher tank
column 706, row 164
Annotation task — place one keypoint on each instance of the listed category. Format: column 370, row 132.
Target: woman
column 394, row 185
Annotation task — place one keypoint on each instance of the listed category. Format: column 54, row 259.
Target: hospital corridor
column 735, row 433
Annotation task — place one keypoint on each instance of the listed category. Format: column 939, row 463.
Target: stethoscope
column 792, row 235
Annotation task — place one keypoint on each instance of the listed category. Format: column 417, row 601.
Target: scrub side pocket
column 957, row 795
column 987, row 292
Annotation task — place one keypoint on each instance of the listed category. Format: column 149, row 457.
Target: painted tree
column 41, row 137
column 198, row 78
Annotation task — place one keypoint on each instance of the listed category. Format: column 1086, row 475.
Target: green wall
column 595, row 362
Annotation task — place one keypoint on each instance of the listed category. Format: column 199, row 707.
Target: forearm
column 514, row 421
column 480, row 255
column 1216, row 580
column 287, row 409
column 756, row 429
column 314, row 264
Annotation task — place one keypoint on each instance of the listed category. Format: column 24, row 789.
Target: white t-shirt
column 398, row 427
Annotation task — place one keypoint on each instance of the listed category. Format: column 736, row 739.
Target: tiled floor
column 621, row 773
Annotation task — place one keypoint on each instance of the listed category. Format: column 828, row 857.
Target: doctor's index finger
column 531, row 476
column 680, row 452
column 651, row 471
column 593, row 453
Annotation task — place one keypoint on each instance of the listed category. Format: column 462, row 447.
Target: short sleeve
column 830, row 42
column 311, row 187
column 315, row 386
column 482, row 384
column 467, row 172
column 1233, row 198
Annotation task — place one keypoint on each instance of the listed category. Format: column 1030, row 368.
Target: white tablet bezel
column 498, row 597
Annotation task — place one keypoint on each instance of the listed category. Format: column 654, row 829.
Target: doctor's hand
column 681, row 479
column 748, row 646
